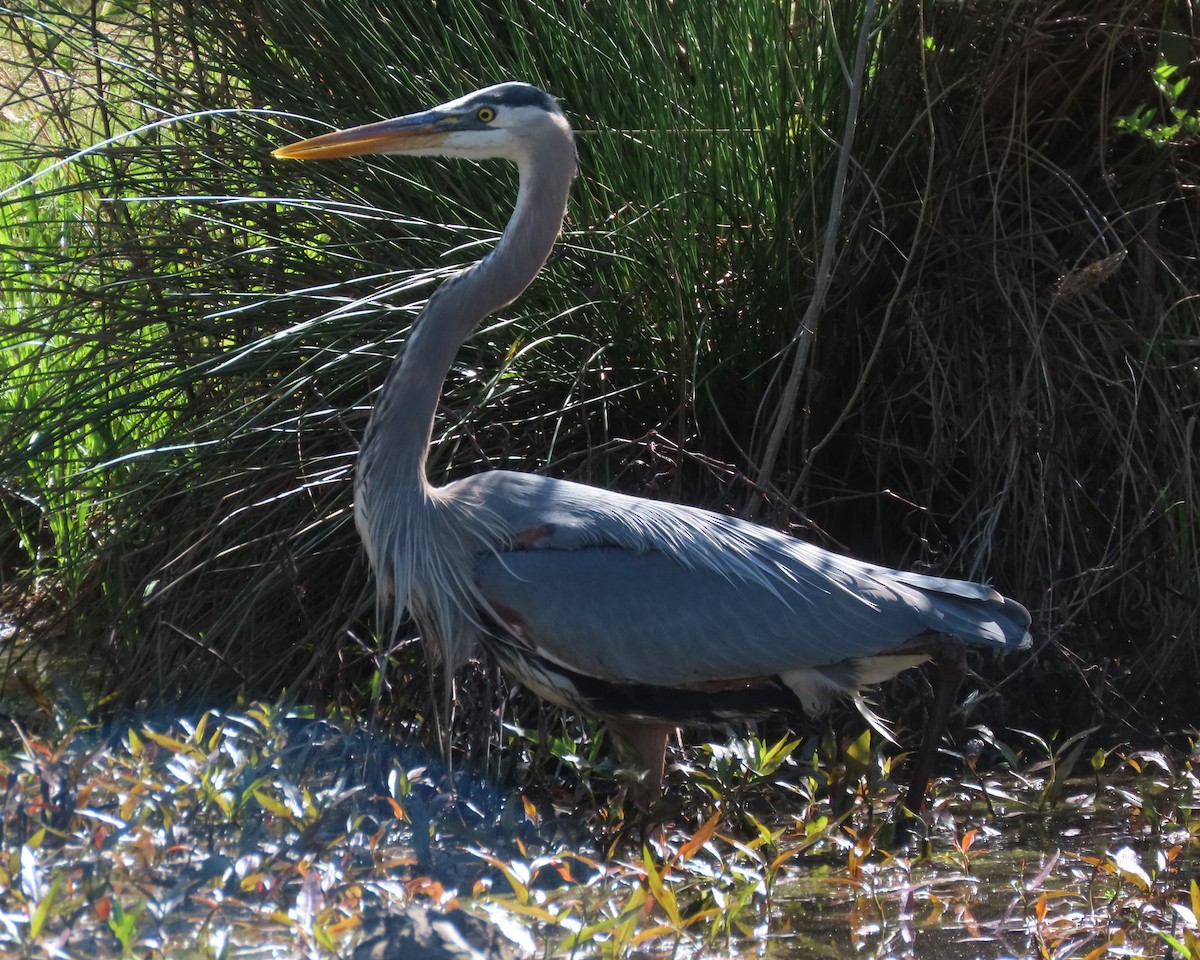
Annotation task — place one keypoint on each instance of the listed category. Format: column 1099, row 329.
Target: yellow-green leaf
column 271, row 805
column 38, row 920
column 167, row 743
column 859, row 752
column 663, row 894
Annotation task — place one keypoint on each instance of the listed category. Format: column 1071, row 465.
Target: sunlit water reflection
column 1102, row 873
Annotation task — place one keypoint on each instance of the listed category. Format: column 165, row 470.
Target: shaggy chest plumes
column 423, row 548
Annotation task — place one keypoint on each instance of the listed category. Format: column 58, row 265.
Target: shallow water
column 1101, row 871
column 265, row 833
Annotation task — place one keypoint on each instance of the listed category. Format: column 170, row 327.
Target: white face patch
column 506, row 136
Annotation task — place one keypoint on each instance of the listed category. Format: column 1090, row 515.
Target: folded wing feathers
column 744, row 552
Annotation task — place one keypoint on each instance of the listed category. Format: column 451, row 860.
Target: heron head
column 502, row 121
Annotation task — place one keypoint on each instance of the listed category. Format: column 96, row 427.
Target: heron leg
column 952, row 668
column 648, row 743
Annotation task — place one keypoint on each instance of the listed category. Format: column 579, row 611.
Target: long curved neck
column 400, row 427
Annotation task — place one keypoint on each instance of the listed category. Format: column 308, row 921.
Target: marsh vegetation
column 267, row 832
column 1000, row 384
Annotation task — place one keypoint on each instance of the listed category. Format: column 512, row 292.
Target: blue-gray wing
column 645, row 618
column 636, row 591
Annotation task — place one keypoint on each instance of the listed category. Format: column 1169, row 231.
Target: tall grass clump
column 125, row 251
column 999, row 378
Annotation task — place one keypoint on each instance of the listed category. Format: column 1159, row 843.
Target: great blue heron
column 646, row 614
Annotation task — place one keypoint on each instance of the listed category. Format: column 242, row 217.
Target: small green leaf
column 859, row 752
column 660, row 891
column 271, row 805
column 123, row 925
column 38, row 920
column 1174, row 944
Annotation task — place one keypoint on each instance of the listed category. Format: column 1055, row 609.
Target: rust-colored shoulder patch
column 528, row 539
column 515, row 624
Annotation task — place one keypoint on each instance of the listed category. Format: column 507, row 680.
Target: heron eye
column 485, row 114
